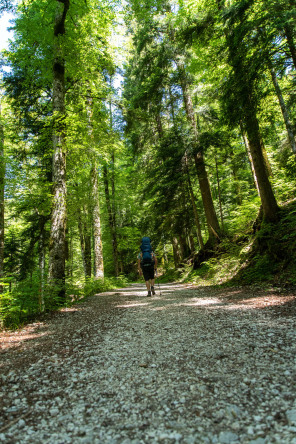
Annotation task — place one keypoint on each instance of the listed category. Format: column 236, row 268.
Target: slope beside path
column 192, row 365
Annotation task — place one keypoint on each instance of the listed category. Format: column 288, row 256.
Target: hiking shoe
column 149, row 293
column 152, row 289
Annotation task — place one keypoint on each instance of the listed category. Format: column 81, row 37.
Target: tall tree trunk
column 255, row 144
column 171, row 101
column 2, row 183
column 113, row 188
column 159, row 126
column 192, row 198
column 112, row 221
column 71, row 255
column 219, row 192
column 41, row 248
column 98, row 247
column 269, row 204
column 247, row 145
column 96, row 214
column 291, row 44
column 285, row 112
column 176, row 252
column 211, row 217
column 191, row 243
column 85, row 243
column 58, row 218
column 195, row 212
column 183, row 246
column 111, row 201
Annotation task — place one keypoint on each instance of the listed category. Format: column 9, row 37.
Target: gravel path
column 192, row 365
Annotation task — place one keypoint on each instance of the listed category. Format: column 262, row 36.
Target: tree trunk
column 255, row 144
column 176, row 253
column 192, row 198
column 112, row 222
column 219, row 192
column 284, row 109
column 58, row 218
column 113, row 189
column 211, row 217
column 71, row 255
column 159, row 126
column 41, row 248
column 98, row 247
column 247, row 145
column 183, row 247
column 195, row 212
column 291, row 44
column 269, row 204
column 85, row 243
column 191, row 243
column 111, row 202
column 235, row 178
column 2, row 183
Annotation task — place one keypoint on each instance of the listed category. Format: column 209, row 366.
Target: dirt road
column 189, row 365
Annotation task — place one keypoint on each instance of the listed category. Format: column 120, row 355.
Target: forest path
column 192, row 365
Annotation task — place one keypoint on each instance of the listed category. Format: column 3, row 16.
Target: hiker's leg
column 152, row 280
column 152, row 287
column 148, row 285
column 147, row 277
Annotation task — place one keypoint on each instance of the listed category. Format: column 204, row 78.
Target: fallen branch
column 14, row 421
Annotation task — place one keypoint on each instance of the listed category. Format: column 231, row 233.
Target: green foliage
column 225, row 262
column 93, row 286
column 170, row 274
column 267, row 256
column 262, row 270
column 242, row 217
column 22, row 303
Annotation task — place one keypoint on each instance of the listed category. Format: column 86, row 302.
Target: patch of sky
column 5, row 23
column 5, row 35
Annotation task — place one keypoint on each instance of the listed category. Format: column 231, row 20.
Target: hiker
column 147, row 263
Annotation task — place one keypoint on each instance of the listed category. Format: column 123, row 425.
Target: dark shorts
column 148, row 271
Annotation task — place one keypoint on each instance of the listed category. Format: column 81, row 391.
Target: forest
column 173, row 119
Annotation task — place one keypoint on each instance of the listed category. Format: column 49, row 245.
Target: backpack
column 146, row 252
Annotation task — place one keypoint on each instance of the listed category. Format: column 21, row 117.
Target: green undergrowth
column 170, row 274
column 265, row 257
column 22, row 302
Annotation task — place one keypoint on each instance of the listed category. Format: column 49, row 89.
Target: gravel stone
column 227, row 437
column 291, row 416
column 192, row 365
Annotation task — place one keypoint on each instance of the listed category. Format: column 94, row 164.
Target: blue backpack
column 146, row 252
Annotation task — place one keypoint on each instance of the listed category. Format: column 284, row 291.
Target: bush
column 170, row 274
column 23, row 302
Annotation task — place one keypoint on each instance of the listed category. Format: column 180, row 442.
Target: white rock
column 291, row 416
column 227, row 437
column 21, row 423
